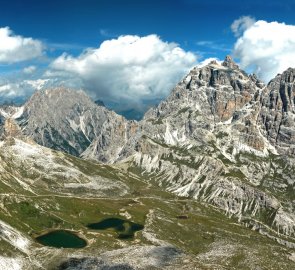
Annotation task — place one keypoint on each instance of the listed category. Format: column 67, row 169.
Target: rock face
column 225, row 138
column 277, row 114
column 222, row 137
column 212, row 97
column 7, row 112
column 70, row 121
column 11, row 129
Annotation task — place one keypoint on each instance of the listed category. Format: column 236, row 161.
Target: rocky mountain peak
column 216, row 90
column 229, row 62
column 59, row 96
column 288, row 75
column 11, row 129
column 68, row 120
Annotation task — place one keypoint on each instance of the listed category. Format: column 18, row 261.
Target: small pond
column 61, row 239
column 124, row 228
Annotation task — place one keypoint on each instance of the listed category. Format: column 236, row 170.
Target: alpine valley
column 204, row 181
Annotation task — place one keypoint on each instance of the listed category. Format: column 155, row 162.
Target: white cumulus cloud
column 29, row 69
column 241, row 24
column 266, row 47
column 15, row 48
column 11, row 91
column 128, row 68
column 20, row 90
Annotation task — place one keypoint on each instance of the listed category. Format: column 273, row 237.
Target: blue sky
column 202, row 28
column 76, row 24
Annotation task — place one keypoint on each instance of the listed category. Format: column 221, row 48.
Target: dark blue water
column 61, row 239
column 124, row 228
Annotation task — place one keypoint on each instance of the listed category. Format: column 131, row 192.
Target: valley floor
column 178, row 234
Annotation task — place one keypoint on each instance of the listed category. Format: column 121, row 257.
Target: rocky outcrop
column 277, row 115
column 212, row 99
column 11, row 129
column 7, row 111
column 70, row 121
column 216, row 138
column 228, row 62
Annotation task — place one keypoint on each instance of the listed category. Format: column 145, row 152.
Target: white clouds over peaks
column 15, row 48
column 241, row 24
column 269, row 47
column 129, row 68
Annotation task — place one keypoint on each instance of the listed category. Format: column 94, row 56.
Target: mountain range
column 209, row 173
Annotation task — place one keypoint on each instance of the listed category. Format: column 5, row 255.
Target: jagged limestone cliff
column 209, row 141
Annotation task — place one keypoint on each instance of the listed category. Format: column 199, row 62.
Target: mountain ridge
column 217, row 154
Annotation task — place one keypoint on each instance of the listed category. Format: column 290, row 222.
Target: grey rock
column 277, row 115
column 67, row 120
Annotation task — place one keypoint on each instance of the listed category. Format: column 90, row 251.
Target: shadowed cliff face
column 277, row 114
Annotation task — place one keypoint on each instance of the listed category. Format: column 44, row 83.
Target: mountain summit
column 218, row 97
column 70, row 121
column 229, row 62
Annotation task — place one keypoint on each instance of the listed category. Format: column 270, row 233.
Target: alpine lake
column 67, row 239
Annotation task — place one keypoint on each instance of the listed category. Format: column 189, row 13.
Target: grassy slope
column 207, row 237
